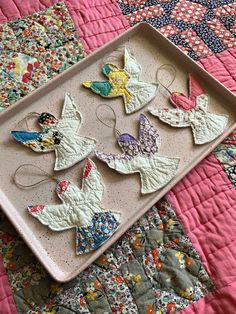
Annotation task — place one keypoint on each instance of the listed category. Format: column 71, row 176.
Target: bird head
column 107, row 68
column 128, row 144
column 47, row 120
column 181, row 101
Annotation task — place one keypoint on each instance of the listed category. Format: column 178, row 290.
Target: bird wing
column 37, row 141
column 102, row 88
column 202, row 102
column 174, row 117
column 142, row 93
column 195, row 88
column 71, row 118
column 72, row 150
column 157, row 173
column 118, row 162
column 92, row 182
column 69, row 214
column 148, row 132
column 56, row 217
column 131, row 66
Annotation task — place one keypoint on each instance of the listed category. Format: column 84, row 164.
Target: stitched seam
column 231, row 53
column 223, row 66
column 200, row 181
column 107, row 32
column 44, row 6
column 130, row 293
column 203, row 201
column 202, row 224
column 102, row 18
column 225, row 246
column 226, row 69
column 96, row 6
column 17, row 8
column 6, row 297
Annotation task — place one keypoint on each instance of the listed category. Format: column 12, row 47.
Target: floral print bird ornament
column 126, row 83
column 59, row 135
column 80, row 209
column 141, row 156
column 192, row 111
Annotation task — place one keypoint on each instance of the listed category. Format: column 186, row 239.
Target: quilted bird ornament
column 59, row 135
column 80, row 209
column 125, row 82
column 141, row 156
column 192, row 111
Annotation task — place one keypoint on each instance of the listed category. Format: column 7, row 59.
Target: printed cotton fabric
column 153, row 268
column 192, row 112
column 35, row 49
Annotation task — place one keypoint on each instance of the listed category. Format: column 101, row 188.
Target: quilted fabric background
column 204, row 201
column 201, row 28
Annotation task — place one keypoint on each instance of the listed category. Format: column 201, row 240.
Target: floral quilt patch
column 34, row 49
column 153, row 268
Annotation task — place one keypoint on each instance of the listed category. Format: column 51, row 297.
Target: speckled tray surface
column 56, row 250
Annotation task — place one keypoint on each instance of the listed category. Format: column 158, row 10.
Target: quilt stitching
column 181, row 14
column 201, row 180
column 231, row 73
column 205, row 200
column 209, row 221
column 225, row 246
column 55, row 288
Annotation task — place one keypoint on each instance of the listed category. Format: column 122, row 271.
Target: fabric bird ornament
column 126, row 83
column 80, row 209
column 141, row 156
column 59, row 135
column 192, row 111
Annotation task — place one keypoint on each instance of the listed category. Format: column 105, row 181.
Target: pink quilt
column 205, row 200
column 7, row 304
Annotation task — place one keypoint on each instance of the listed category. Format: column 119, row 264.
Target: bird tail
column 162, row 169
column 102, row 227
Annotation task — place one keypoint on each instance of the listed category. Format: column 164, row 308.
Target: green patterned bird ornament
column 125, row 82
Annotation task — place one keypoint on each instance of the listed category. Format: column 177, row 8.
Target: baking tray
column 56, row 250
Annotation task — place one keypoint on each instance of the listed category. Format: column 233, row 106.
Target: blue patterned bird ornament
column 59, row 135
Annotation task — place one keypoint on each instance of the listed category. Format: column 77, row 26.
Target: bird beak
column 87, row 84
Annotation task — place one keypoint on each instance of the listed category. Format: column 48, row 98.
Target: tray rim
column 5, row 202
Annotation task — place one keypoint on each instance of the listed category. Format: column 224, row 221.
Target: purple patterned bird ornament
column 141, row 156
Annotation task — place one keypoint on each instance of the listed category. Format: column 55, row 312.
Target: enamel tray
column 56, row 250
